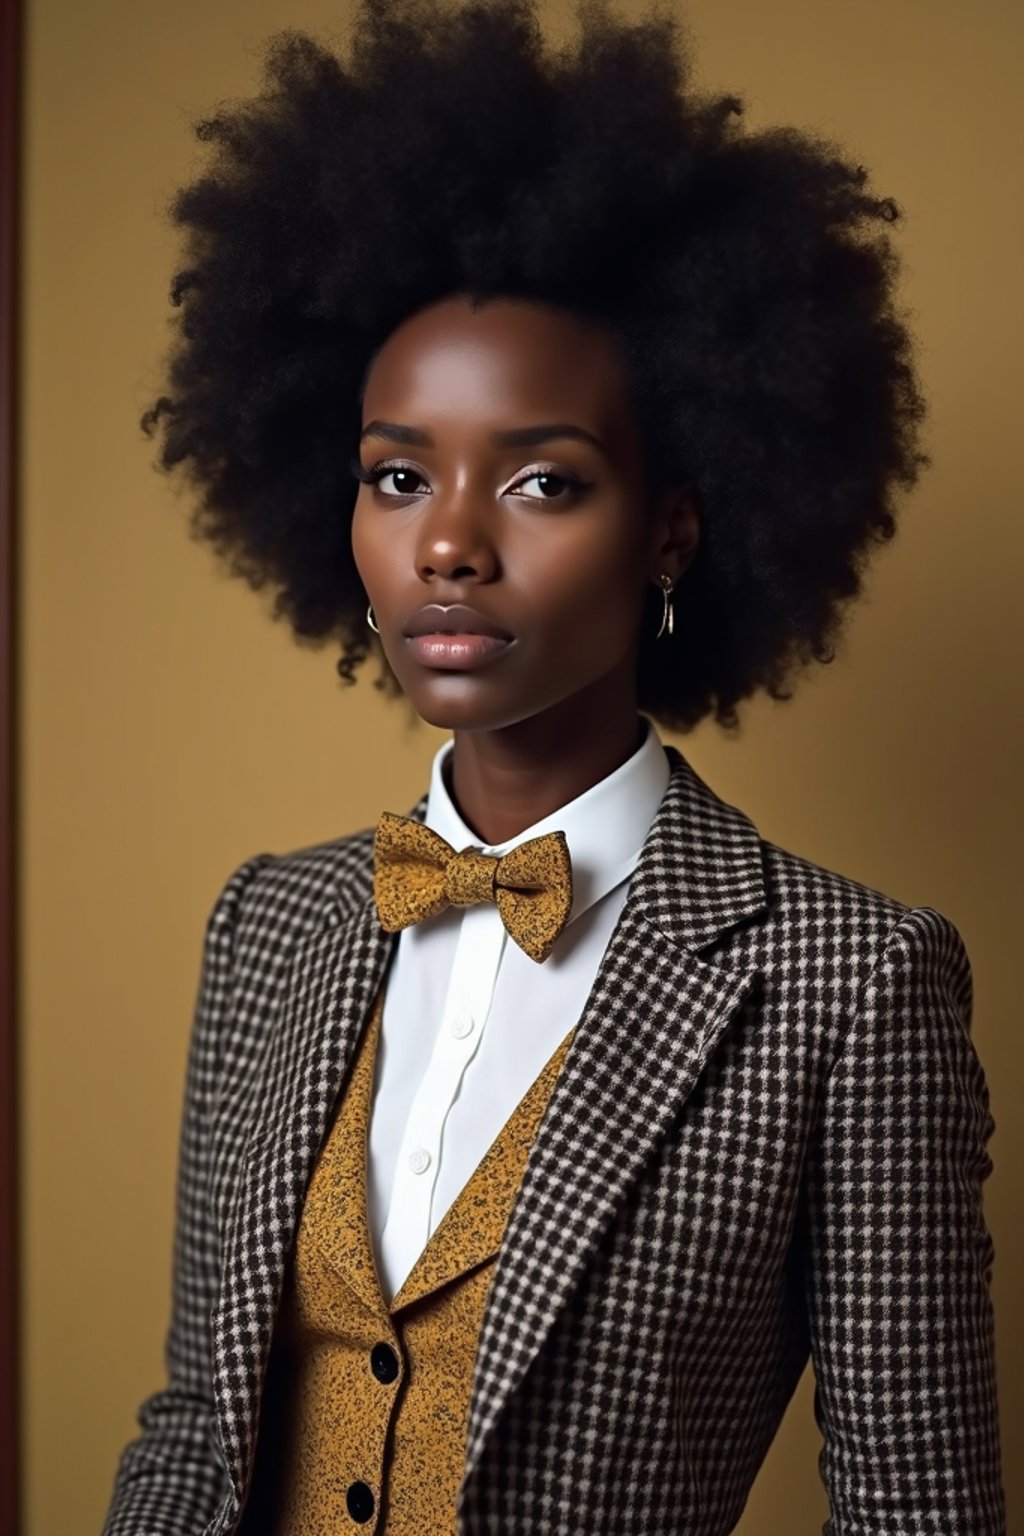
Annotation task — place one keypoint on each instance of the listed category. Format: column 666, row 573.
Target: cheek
column 358, row 543
column 369, row 549
column 588, row 577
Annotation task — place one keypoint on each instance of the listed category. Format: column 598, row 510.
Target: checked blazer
column 767, row 1144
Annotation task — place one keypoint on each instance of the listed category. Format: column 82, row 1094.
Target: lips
column 456, row 619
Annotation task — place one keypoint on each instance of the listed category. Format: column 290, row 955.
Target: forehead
column 507, row 359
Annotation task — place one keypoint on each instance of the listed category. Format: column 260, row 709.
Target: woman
column 533, row 1141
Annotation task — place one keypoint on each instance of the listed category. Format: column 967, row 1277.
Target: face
column 502, row 530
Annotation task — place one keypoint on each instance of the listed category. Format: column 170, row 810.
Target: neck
column 503, row 781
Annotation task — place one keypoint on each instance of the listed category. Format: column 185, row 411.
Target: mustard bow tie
column 417, row 874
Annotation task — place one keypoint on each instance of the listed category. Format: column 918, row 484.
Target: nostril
column 454, row 573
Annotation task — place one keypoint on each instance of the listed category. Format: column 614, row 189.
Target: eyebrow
column 515, row 437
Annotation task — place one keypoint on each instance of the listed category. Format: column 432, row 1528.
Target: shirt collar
column 605, row 827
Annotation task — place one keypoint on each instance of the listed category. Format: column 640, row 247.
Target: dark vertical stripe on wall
column 10, row 133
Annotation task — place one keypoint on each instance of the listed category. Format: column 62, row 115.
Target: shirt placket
column 481, row 941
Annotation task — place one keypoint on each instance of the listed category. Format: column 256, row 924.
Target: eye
column 379, row 472
column 552, row 479
column 554, row 486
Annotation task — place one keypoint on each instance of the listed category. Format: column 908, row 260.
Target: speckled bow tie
column 418, row 873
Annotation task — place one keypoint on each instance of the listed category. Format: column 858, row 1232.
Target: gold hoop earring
column 369, row 619
column 667, row 617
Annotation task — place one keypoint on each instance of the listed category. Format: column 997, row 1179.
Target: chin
column 457, row 702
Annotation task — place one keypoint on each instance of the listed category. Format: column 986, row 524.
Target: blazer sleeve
column 900, row 1258
column 170, row 1479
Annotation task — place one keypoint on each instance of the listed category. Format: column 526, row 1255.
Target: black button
column 383, row 1362
column 360, row 1501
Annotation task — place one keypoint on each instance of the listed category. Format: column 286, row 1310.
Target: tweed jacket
column 767, row 1144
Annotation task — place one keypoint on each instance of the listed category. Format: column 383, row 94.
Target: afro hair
column 749, row 278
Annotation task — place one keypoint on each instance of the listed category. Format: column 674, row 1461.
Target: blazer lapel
column 335, row 976
column 652, row 1019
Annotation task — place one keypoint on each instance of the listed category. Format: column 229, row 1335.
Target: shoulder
column 772, row 906
column 275, row 899
column 806, row 894
column 837, row 938
column 802, row 891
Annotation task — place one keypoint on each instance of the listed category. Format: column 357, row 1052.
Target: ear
column 675, row 532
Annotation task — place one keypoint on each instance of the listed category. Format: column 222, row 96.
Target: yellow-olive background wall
column 170, row 729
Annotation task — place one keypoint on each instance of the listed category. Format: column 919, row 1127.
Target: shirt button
column 462, row 1024
column 383, row 1362
column 359, row 1499
column 419, row 1161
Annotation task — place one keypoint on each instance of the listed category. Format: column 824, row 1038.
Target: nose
column 456, row 539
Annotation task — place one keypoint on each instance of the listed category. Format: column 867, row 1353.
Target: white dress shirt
column 470, row 1020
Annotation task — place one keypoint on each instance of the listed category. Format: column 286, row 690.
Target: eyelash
column 376, row 473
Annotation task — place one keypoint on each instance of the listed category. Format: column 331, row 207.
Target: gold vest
column 365, row 1408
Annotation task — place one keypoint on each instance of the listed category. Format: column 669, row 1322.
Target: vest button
column 359, row 1499
column 383, row 1362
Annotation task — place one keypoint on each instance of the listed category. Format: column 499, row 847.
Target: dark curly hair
column 749, row 279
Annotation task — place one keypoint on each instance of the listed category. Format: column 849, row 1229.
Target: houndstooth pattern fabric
column 768, row 1142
